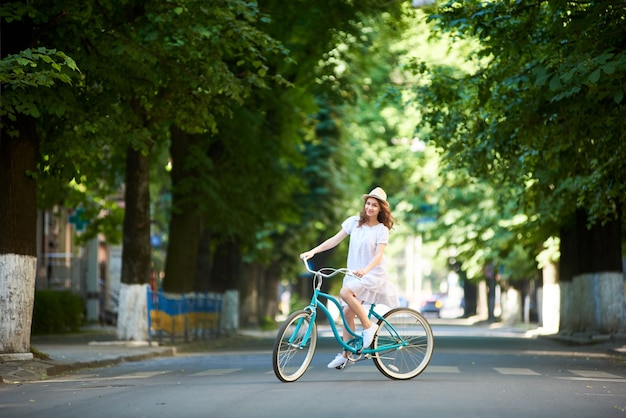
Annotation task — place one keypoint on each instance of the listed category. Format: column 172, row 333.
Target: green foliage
column 24, row 75
column 57, row 312
column 145, row 67
column 36, row 68
column 518, row 264
column 267, row 323
column 291, row 135
column 545, row 104
column 16, row 11
column 529, row 118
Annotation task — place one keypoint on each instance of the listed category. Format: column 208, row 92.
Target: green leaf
column 594, row 76
column 608, row 68
column 555, row 83
column 541, row 74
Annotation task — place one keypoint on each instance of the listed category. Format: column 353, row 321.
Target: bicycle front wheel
column 407, row 361
column 291, row 356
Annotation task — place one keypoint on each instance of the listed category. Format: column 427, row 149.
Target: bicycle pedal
column 343, row 366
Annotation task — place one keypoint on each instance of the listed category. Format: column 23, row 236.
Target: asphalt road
column 469, row 376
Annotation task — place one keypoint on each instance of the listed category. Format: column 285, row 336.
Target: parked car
column 431, row 307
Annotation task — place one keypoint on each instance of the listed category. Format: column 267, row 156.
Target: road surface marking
column 595, row 374
column 442, row 369
column 516, row 371
column 215, row 372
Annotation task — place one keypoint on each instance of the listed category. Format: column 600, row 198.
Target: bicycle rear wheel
column 408, row 361
column 289, row 358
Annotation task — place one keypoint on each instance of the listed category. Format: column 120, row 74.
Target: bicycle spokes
column 294, row 346
column 409, row 339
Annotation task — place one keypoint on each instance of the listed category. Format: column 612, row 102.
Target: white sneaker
column 368, row 335
column 338, row 362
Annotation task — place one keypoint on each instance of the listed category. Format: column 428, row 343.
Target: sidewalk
column 93, row 347
column 97, row 346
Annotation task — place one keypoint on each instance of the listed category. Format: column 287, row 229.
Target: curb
column 618, row 341
column 618, row 351
column 68, row 367
column 38, row 370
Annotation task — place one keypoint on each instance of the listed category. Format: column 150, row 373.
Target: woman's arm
column 331, row 242
column 378, row 256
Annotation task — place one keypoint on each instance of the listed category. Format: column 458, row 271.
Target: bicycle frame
column 357, row 347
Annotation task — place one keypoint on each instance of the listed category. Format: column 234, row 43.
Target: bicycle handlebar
column 333, row 271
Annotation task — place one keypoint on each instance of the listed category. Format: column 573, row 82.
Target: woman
column 369, row 235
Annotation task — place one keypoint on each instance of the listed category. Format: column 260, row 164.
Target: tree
column 149, row 69
column 260, row 222
column 522, row 119
column 134, row 96
column 27, row 73
column 232, row 65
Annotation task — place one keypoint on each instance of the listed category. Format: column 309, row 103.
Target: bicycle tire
column 289, row 360
column 408, row 361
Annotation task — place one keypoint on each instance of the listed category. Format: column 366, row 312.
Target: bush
column 268, row 323
column 57, row 312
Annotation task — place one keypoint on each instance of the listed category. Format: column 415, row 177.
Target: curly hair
column 384, row 216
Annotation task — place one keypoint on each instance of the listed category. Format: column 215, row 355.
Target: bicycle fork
column 307, row 335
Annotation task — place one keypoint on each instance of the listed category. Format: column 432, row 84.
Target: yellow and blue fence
column 191, row 316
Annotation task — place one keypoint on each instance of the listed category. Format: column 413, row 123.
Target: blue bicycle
column 402, row 347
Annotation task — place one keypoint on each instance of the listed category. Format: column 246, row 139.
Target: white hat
column 377, row 193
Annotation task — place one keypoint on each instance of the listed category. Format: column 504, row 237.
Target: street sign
column 78, row 220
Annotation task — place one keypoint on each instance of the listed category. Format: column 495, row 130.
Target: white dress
column 374, row 287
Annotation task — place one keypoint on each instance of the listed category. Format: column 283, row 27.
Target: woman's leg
column 369, row 329
column 342, row 358
column 349, row 314
column 355, row 305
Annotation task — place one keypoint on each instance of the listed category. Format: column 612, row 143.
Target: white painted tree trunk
column 511, row 306
column 132, row 316
column 482, row 312
column 17, row 296
column 551, row 300
column 229, row 318
column 593, row 303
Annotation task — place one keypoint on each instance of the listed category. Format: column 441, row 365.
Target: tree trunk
column 550, row 300
column 470, row 295
column 136, row 253
column 249, row 309
column 204, row 265
column 132, row 321
column 18, row 259
column 591, row 273
column 18, row 213
column 227, row 269
column 269, row 296
column 490, row 276
column 18, row 237
column 186, row 223
column 259, row 293
column 511, row 305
